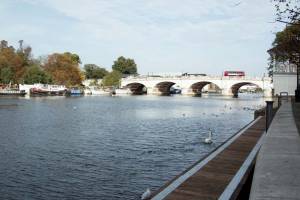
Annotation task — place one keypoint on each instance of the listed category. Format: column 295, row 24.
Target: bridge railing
column 149, row 78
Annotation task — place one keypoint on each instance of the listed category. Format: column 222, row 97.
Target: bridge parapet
column 143, row 78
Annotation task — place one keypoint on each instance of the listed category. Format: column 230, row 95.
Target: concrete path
column 277, row 170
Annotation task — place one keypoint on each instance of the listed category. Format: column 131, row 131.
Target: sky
column 162, row 36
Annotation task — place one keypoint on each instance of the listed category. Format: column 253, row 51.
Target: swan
column 209, row 139
column 146, row 195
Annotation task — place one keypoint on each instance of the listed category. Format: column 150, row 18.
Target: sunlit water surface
column 108, row 147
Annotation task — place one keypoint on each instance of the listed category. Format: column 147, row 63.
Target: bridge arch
column 137, row 88
column 196, row 88
column 236, row 87
column 164, row 87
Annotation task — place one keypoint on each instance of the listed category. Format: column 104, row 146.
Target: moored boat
column 12, row 92
column 47, row 90
column 75, row 92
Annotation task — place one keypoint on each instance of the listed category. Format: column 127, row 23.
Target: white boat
column 12, row 92
column 96, row 91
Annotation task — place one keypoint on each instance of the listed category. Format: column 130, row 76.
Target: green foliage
column 93, row 71
column 286, row 47
column 74, row 57
column 112, row 79
column 35, row 74
column 125, row 66
column 6, row 75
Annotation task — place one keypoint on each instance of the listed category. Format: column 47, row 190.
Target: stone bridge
column 193, row 85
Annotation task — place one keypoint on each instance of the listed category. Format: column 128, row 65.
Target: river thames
column 109, row 147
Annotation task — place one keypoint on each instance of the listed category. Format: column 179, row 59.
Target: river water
column 108, row 147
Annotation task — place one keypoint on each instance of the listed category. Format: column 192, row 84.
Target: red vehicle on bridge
column 234, row 73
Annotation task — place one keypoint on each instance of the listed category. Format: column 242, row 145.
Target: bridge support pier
column 227, row 92
column 187, row 91
column 156, row 91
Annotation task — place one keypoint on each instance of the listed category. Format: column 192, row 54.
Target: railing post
column 279, row 101
column 269, row 113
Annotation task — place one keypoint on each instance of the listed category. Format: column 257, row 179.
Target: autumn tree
column 93, row 71
column 7, row 61
column 64, row 68
column 112, row 79
column 15, row 60
column 125, row 66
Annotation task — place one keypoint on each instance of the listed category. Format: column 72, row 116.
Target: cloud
column 165, row 19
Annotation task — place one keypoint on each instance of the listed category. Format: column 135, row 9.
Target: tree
column 125, row 66
column 286, row 46
column 34, row 74
column 93, row 71
column 17, row 61
column 112, row 79
column 288, row 11
column 64, row 68
column 6, row 75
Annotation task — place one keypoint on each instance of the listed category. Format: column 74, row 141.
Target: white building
column 285, row 82
column 285, row 78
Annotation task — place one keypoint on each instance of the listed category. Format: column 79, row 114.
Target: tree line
column 17, row 65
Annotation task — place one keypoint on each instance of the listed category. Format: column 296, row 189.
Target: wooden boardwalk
column 216, row 174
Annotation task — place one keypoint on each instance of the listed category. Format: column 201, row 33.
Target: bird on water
column 208, row 140
column 146, row 195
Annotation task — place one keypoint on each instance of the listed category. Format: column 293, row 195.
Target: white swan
column 146, row 194
column 209, row 139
